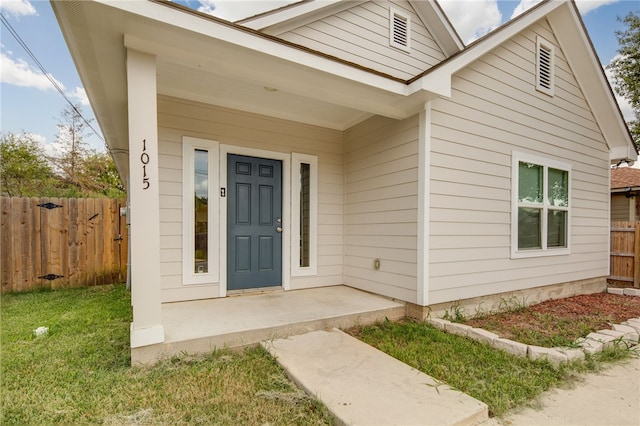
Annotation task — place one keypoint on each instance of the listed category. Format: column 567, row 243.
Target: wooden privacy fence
column 625, row 252
column 61, row 242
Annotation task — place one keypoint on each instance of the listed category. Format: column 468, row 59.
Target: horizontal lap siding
column 620, row 207
column 381, row 215
column 178, row 118
column 361, row 35
column 495, row 109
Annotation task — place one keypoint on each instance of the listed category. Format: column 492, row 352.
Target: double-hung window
column 541, row 214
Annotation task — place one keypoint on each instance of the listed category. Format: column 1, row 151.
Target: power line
column 47, row 75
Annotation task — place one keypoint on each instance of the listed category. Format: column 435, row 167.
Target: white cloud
column 207, row 6
column 17, row 7
column 233, row 10
column 623, row 103
column 20, row 73
column 523, row 6
column 80, row 95
column 584, row 6
column 472, row 19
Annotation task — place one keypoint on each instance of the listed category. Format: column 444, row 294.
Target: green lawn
column 501, row 380
column 80, row 373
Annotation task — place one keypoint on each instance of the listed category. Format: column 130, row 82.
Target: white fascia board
column 438, row 83
column 236, row 36
column 618, row 153
column 295, row 17
column 587, row 69
column 441, row 28
column 484, row 45
column 279, row 16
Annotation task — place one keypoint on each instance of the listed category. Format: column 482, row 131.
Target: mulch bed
column 592, row 311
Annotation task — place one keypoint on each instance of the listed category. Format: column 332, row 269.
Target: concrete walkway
column 362, row 386
column 610, row 397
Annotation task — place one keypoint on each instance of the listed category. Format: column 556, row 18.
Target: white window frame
column 541, row 43
column 189, row 146
column 296, row 183
column 546, row 163
column 393, row 12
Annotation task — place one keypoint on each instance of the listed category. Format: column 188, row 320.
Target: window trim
column 393, row 12
column 516, row 158
column 542, row 44
column 296, row 161
column 189, row 277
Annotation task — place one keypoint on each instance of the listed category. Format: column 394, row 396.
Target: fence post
column 636, row 257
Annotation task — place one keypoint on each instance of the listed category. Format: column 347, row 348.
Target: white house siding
column 381, row 207
column 178, row 118
column 361, row 35
column 494, row 110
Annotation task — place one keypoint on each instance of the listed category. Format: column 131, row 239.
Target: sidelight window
column 200, row 211
column 304, row 214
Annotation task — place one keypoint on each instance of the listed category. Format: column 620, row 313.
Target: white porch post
column 424, row 171
column 147, row 327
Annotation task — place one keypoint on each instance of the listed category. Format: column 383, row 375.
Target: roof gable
column 296, row 15
column 367, row 33
column 571, row 35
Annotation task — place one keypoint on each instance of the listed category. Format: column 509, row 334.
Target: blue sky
column 30, row 103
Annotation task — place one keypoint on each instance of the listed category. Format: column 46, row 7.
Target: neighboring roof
column 206, row 59
column 625, row 178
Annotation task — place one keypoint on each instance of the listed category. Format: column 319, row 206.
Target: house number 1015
column 144, row 159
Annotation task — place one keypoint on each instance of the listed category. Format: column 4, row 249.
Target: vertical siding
column 381, row 209
column 178, row 118
column 361, row 35
column 495, row 109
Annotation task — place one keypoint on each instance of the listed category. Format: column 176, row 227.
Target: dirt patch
column 560, row 322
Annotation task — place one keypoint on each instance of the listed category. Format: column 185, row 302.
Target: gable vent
column 545, row 66
column 400, row 30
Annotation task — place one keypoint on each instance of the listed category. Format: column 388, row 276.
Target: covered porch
column 246, row 319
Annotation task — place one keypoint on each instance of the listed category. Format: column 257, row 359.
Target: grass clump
column 501, row 380
column 79, row 372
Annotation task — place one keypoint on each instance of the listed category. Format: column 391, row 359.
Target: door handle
column 279, row 229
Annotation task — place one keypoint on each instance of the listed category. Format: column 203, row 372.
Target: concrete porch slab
column 204, row 325
column 361, row 385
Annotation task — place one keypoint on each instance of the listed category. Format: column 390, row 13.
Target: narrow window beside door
column 304, row 233
column 305, row 185
column 200, row 211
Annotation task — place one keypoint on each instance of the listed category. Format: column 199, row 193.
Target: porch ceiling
column 210, row 61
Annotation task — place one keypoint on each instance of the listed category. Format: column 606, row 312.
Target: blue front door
column 254, row 222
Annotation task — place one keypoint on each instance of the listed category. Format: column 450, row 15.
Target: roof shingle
column 625, row 177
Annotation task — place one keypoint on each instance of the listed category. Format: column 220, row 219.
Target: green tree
column 23, row 166
column 72, row 132
column 99, row 175
column 83, row 171
column 626, row 69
